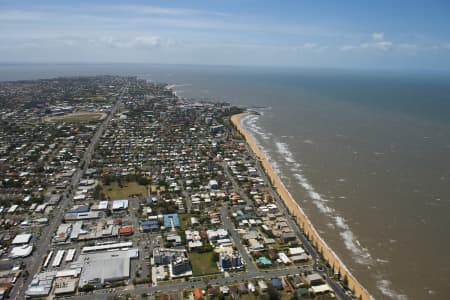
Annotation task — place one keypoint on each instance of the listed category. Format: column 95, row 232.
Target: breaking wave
column 385, row 287
column 361, row 254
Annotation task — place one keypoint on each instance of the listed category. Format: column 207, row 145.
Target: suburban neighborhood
column 115, row 188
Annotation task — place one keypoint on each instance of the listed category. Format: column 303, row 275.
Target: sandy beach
column 304, row 222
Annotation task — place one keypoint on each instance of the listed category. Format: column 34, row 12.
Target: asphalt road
column 252, row 271
column 249, row 264
column 234, row 279
column 317, row 266
column 45, row 241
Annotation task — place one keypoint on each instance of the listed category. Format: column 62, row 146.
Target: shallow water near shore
column 367, row 156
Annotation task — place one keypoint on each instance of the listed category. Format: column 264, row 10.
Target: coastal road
column 45, row 240
column 339, row 291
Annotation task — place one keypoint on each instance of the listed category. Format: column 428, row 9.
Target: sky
column 327, row 34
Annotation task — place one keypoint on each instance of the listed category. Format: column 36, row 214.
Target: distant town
column 115, row 188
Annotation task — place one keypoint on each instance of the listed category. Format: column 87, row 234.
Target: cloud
column 19, row 16
column 147, row 9
column 384, row 45
column 377, row 42
column 136, row 42
column 407, row 46
column 377, row 36
column 348, row 47
column 309, row 46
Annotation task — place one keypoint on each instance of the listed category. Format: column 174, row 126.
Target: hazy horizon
column 404, row 35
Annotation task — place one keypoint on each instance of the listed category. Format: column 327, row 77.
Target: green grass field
column 77, row 117
column 202, row 263
column 129, row 188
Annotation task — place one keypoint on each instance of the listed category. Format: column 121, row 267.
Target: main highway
column 252, row 272
column 45, row 240
column 194, row 283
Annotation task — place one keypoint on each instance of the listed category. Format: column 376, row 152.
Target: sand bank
column 304, row 222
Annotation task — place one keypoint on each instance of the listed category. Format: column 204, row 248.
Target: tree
column 273, row 293
column 87, row 288
column 97, row 193
column 141, row 180
column 215, row 257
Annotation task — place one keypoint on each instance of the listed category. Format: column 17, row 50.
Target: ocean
column 365, row 153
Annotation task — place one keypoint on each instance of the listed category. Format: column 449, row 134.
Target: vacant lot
column 129, row 188
column 78, row 117
column 202, row 263
column 185, row 219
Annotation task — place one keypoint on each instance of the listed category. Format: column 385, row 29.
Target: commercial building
column 101, row 267
column 126, row 230
column 21, row 251
column 41, row 284
column 21, row 239
column 106, row 247
column 120, row 204
column 62, row 233
column 65, row 285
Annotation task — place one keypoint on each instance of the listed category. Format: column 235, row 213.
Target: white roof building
column 319, row 289
column 296, row 251
column 120, row 204
column 284, row 258
column 103, row 205
column 23, row 238
column 105, row 266
column 216, row 234
column 21, row 251
column 41, row 284
column 13, row 208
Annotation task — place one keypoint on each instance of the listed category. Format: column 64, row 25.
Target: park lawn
column 251, row 296
column 97, row 98
column 202, row 263
column 78, row 117
column 129, row 188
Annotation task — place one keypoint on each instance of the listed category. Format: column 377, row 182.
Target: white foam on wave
column 382, row 261
column 249, row 123
column 385, row 287
column 172, row 86
column 282, row 148
column 361, row 255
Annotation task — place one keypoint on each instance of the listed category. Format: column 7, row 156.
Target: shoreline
column 296, row 211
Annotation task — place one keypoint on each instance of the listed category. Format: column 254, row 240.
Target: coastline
column 294, row 208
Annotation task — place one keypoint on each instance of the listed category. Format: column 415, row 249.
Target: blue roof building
column 169, row 218
column 149, row 225
column 276, row 283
